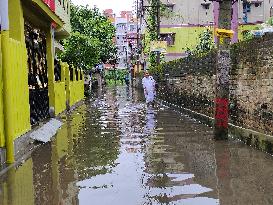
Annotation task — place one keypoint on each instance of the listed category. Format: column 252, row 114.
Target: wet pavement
column 113, row 150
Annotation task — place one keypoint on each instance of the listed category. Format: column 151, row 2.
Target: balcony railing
column 63, row 11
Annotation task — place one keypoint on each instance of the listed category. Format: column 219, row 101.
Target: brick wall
column 251, row 87
column 191, row 83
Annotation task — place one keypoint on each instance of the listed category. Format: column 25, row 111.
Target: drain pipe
column 4, row 15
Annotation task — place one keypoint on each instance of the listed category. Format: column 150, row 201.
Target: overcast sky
column 116, row 5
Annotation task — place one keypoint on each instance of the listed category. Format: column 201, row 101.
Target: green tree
column 205, row 44
column 91, row 40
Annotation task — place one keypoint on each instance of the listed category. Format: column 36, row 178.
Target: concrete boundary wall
column 190, row 83
column 74, row 88
column 14, row 89
column 67, row 92
column 60, row 92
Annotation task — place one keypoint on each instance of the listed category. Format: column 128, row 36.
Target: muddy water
column 113, row 150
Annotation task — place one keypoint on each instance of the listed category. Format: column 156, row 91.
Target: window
column 246, row 7
column 169, row 37
column 258, row 4
column 169, row 6
column 206, row 5
column 123, row 27
column 132, row 27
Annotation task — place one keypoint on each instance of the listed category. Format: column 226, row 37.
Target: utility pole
column 223, row 66
column 158, row 30
column 234, row 22
column 138, row 37
column 128, row 69
column 141, row 16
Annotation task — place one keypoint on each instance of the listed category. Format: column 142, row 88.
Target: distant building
column 126, row 33
column 121, row 25
column 183, row 21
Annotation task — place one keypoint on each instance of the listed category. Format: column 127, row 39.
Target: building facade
column 126, row 36
column 121, row 25
column 183, row 21
column 33, row 84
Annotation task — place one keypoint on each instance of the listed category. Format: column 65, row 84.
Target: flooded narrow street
column 113, row 150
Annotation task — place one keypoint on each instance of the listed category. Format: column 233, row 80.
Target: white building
column 121, row 25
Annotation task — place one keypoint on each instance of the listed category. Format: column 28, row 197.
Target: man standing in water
column 148, row 83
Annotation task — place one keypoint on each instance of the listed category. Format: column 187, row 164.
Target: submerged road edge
column 258, row 140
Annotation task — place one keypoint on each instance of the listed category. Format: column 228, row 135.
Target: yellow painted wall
column 60, row 97
column 15, row 92
column 18, row 88
column 16, row 73
column 244, row 28
column 186, row 37
column 74, row 89
column 2, row 136
column 60, row 92
column 14, row 106
column 14, row 79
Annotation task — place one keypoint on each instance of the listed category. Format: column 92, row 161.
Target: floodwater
column 113, row 150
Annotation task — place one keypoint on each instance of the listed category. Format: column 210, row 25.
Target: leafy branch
column 205, row 45
column 91, row 40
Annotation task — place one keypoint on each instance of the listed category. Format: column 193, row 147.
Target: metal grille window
column 36, row 49
column 246, row 7
column 169, row 37
column 169, row 6
column 37, row 74
column 206, row 5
